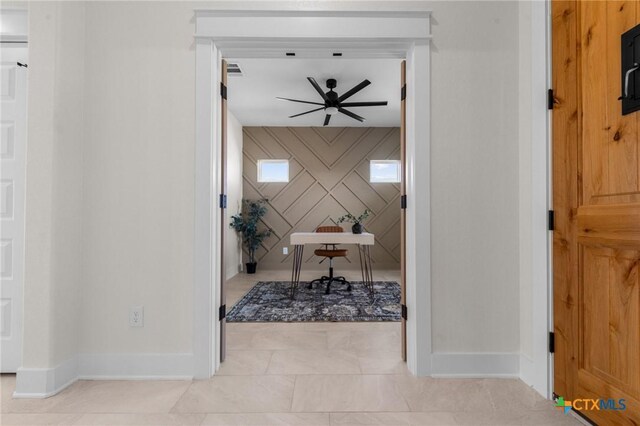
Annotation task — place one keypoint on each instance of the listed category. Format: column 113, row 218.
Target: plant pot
column 357, row 228
column 251, row 267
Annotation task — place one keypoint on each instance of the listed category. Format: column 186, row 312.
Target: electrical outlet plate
column 285, row 250
column 136, row 316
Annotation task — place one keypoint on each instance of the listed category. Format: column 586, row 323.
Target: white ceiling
column 252, row 96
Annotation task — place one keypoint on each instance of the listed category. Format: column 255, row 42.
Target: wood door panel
column 565, row 202
column 611, row 304
column 615, row 225
column 594, row 387
column 596, row 181
column 594, row 164
column 622, row 130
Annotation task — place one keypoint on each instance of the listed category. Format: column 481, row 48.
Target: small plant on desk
column 357, row 227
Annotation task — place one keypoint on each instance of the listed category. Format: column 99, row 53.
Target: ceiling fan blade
column 350, row 114
column 354, row 90
column 307, row 112
column 326, row 119
column 316, row 86
column 363, row 104
column 297, row 100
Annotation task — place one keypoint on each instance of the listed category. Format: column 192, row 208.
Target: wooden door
column 13, row 136
column 596, row 198
column 223, row 209
column 403, row 211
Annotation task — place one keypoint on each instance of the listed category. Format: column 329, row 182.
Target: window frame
column 396, row 162
column 284, row 161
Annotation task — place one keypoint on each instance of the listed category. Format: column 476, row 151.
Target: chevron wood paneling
column 329, row 176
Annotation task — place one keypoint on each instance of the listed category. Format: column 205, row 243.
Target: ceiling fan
column 334, row 103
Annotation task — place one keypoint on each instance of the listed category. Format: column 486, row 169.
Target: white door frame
column 362, row 29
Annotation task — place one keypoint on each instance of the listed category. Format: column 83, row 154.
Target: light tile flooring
column 293, row 374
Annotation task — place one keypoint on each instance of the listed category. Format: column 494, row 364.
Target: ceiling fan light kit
column 334, row 103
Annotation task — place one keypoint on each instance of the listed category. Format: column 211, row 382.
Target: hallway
column 294, row 374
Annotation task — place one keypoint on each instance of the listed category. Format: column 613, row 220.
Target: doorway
column 307, row 176
column 405, row 33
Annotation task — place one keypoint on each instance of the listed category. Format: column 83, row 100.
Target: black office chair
column 329, row 252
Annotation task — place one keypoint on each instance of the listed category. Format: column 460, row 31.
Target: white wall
column 53, row 245
column 524, row 164
column 474, row 177
column 54, row 182
column 136, row 206
column 138, row 177
column 233, row 248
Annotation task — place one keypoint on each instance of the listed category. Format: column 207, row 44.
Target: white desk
column 364, row 241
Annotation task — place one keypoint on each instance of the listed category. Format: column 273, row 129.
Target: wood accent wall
column 329, row 175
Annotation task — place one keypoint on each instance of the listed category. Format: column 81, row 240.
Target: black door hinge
column 552, row 342
column 551, row 221
column 403, row 311
column 403, row 92
column 223, row 201
column 223, row 90
column 403, row 202
column 222, row 312
column 550, row 99
column 20, row 64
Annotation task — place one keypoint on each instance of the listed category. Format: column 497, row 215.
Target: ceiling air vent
column 233, row 69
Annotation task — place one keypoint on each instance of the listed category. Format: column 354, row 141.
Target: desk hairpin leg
column 366, row 266
column 295, row 271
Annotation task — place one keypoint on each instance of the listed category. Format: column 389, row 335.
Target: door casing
column 404, row 35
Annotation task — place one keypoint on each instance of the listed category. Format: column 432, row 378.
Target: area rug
column 270, row 302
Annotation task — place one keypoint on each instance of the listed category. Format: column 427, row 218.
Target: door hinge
column 223, row 201
column 403, row 92
column 403, row 202
column 552, row 342
column 222, row 312
column 403, row 311
column 223, row 90
column 551, row 221
column 550, row 99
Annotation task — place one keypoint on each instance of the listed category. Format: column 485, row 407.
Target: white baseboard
column 475, row 365
column 46, row 382
column 146, row 366
column 534, row 374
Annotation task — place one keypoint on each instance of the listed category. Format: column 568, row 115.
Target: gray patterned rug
column 270, row 302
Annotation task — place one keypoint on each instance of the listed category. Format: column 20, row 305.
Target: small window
column 273, row 170
column 384, row 171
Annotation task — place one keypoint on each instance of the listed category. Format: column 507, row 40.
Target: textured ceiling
column 252, row 96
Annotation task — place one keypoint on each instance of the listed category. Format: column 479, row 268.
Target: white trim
column 536, row 370
column 45, row 382
column 218, row 36
column 14, row 25
column 205, row 215
column 145, row 366
column 418, row 232
column 475, row 365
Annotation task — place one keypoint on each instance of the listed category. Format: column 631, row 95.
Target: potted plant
column 357, row 227
column 246, row 223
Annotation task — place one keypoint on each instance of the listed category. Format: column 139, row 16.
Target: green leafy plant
column 246, row 223
column 353, row 219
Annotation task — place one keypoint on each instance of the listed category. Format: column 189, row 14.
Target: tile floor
column 293, row 374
